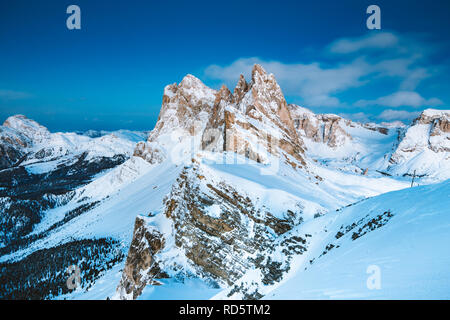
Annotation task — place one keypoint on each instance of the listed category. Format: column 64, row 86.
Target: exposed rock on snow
column 29, row 128
column 185, row 108
column 254, row 121
column 258, row 122
column 424, row 147
column 239, row 236
column 140, row 266
column 325, row 128
column 17, row 135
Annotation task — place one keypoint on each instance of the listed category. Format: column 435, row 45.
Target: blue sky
column 111, row 73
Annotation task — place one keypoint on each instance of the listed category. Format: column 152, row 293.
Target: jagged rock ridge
column 254, row 121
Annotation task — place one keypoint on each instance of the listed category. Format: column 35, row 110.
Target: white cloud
column 380, row 56
column 391, row 55
column 371, row 41
column 401, row 99
column 390, row 115
column 312, row 82
column 404, row 70
column 13, row 95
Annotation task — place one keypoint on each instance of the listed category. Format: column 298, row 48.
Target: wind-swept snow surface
column 403, row 238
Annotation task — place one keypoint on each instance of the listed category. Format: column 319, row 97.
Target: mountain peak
column 258, row 70
column 191, row 81
column 256, row 111
column 429, row 115
column 27, row 127
column 240, row 90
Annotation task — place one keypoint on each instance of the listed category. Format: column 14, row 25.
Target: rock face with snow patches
column 254, row 121
column 17, row 136
column 425, row 145
column 325, row 128
column 258, row 121
column 184, row 112
column 220, row 232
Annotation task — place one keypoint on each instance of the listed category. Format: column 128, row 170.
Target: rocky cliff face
column 141, row 267
column 325, row 128
column 185, row 110
column 218, row 233
column 424, row 144
column 17, row 136
column 439, row 124
column 253, row 121
column 11, row 148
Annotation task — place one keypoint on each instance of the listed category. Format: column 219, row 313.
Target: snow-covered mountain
column 389, row 148
column 424, row 147
column 40, row 174
column 24, row 142
column 232, row 195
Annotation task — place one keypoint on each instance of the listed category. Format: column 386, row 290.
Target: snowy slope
column 287, row 190
column 138, row 188
column 123, row 193
column 410, row 250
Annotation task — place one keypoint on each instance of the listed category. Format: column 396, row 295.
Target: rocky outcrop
column 11, row 150
column 324, row 128
column 430, row 131
column 185, row 108
column 149, row 151
column 140, row 266
column 253, row 121
column 423, row 147
column 439, row 122
column 17, row 136
column 219, row 231
column 29, row 128
column 258, row 123
column 214, row 138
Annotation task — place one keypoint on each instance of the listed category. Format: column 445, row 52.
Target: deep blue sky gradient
column 111, row 73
